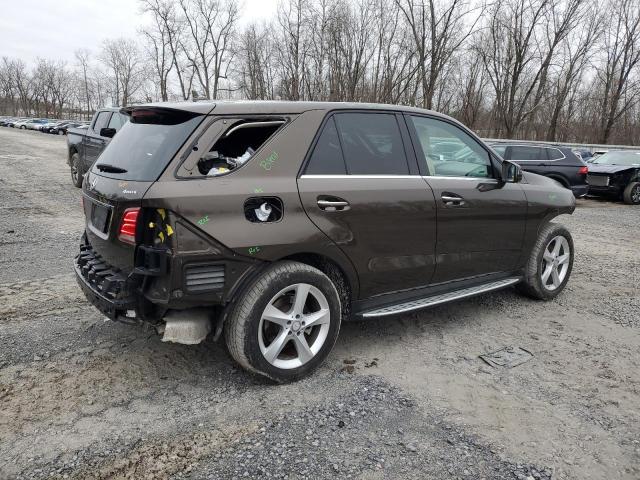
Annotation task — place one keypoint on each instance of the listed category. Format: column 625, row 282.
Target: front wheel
column 286, row 322
column 550, row 262
column 76, row 170
column 631, row 194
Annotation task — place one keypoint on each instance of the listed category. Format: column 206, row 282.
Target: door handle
column 452, row 200
column 333, row 205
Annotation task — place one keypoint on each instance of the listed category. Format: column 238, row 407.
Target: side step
column 441, row 298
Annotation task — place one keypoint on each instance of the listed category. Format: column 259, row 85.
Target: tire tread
column 236, row 325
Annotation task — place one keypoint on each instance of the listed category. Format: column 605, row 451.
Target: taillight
column 583, row 170
column 127, row 232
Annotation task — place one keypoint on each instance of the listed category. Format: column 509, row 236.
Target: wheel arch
column 345, row 281
column 73, row 149
column 561, row 179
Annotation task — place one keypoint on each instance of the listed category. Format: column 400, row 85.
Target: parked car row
column 614, row 173
column 45, row 125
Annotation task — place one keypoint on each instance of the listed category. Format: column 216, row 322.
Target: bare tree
column 122, row 59
column 256, row 63
column 438, row 32
column 620, row 91
column 169, row 24
column 212, row 27
column 576, row 54
column 83, row 57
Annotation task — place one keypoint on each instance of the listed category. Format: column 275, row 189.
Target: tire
column 77, row 174
column 276, row 349
column 631, row 194
column 548, row 270
column 60, row 132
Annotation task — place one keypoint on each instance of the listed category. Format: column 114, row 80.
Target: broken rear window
column 237, row 145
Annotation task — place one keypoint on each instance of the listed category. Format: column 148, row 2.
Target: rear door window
column 372, row 144
column 101, row 121
column 117, row 121
column 554, row 154
column 327, row 158
column 146, row 144
column 501, row 149
column 523, row 152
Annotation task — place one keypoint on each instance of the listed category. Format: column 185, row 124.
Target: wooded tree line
column 565, row 70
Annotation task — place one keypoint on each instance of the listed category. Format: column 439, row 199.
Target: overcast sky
column 55, row 29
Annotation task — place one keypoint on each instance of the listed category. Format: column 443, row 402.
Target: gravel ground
column 406, row 397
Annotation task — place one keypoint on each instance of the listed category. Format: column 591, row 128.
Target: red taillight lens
column 583, row 170
column 127, row 232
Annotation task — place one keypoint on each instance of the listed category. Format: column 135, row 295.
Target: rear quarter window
column 554, row 154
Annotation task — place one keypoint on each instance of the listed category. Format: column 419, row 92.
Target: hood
column 595, row 168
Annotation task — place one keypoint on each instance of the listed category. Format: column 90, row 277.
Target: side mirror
column 511, row 172
column 107, row 132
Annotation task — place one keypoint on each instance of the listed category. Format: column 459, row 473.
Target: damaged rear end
column 128, row 250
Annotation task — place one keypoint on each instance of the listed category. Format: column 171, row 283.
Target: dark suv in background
column 556, row 162
column 272, row 222
column 84, row 145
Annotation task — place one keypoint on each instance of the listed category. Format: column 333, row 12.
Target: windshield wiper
column 105, row 167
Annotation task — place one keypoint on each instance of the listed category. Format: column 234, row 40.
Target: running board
column 441, row 298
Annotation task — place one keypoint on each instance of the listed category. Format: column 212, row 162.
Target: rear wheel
column 286, row 322
column 550, row 262
column 76, row 170
column 631, row 194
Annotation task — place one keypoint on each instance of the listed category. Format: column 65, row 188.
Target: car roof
column 525, row 144
column 275, row 107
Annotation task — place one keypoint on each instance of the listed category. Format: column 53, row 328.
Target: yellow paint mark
column 161, row 235
column 162, row 213
column 169, row 231
column 152, row 225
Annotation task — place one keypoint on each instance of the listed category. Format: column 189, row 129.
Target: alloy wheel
column 555, row 263
column 635, row 194
column 294, row 326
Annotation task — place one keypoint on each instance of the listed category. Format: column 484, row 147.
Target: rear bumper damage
column 182, row 296
column 106, row 288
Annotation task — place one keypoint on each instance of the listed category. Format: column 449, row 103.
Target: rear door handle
column 452, row 200
column 333, row 205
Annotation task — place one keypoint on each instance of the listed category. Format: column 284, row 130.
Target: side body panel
column 215, row 205
column 484, row 234
column 388, row 231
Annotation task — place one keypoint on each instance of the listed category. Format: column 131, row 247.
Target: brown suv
column 273, row 222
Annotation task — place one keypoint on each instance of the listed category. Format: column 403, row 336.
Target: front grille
column 204, row 278
column 598, row 180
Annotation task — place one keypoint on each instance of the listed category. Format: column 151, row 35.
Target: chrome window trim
column 426, row 177
column 477, row 179
column 531, row 146
column 359, row 176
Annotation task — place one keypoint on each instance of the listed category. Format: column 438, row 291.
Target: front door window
column 449, row 151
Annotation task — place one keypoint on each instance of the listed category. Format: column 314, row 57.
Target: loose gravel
column 405, row 397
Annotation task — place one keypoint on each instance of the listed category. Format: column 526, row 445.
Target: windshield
column 619, row 158
column 144, row 146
